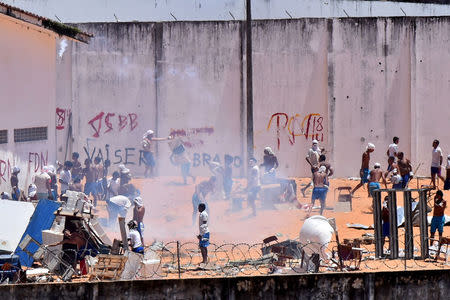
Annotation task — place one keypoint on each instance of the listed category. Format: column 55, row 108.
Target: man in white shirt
column 313, row 160
column 135, row 238
column 65, row 177
column 203, row 237
column 436, row 163
column 392, row 153
column 253, row 184
column 42, row 183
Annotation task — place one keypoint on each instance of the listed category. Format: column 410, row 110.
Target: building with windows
column 28, row 90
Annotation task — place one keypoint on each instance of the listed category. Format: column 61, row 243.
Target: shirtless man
column 323, row 162
column 320, row 180
column 90, row 186
column 374, row 179
column 149, row 160
column 201, row 191
column 364, row 171
column 404, row 167
column 99, row 175
column 392, row 152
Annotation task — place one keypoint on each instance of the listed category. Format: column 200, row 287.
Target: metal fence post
column 393, row 234
column 377, row 223
column 423, row 223
column 409, row 236
column 178, row 258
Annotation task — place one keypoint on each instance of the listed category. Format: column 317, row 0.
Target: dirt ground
column 169, row 213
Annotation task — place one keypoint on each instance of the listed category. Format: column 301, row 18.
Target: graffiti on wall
column 106, row 122
column 192, row 137
column 309, row 126
column 36, row 161
column 62, row 117
column 203, row 159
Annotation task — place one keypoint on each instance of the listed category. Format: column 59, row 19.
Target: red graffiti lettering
column 133, row 122
column 123, row 121
column 97, row 126
column 2, row 170
column 108, row 122
column 310, row 127
column 61, row 116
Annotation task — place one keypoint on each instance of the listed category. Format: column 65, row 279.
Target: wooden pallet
column 108, row 267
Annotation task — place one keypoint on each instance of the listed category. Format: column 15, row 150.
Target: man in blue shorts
column 203, row 237
column 364, row 171
column 374, row 178
column 320, row 180
column 438, row 220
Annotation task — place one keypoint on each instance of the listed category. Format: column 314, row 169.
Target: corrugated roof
column 57, row 27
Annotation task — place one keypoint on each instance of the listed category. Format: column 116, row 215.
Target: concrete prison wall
column 346, row 82
column 430, row 284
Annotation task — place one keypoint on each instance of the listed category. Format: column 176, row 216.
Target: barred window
column 30, row 134
column 3, row 136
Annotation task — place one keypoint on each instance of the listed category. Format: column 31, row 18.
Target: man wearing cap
column 312, row 157
column 374, row 178
column 15, row 183
column 364, row 171
column 147, row 151
column 135, row 238
column 138, row 215
column 447, row 174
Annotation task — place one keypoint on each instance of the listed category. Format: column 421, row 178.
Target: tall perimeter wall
column 346, row 82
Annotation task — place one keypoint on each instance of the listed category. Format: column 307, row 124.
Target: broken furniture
column 344, row 200
column 347, row 254
column 284, row 250
column 108, row 267
column 55, row 264
column 442, row 241
column 10, row 268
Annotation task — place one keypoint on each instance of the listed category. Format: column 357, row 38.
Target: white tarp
column 14, row 219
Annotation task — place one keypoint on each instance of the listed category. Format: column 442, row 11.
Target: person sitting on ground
column 392, row 153
column 15, row 183
column 5, row 196
column 65, row 177
column 134, row 238
column 447, row 177
column 404, row 166
column 253, row 184
column 438, row 220
column 201, row 191
column 270, row 164
column 374, row 179
column 320, row 190
column 32, row 192
column 138, row 215
column 385, row 221
column 204, row 235
column 42, row 182
column 364, row 171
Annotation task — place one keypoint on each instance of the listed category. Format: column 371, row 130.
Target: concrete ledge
column 423, row 284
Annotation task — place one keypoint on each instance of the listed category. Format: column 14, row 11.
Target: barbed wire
column 184, row 260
